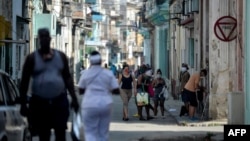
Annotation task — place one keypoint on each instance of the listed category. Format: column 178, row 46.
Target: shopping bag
column 77, row 127
column 164, row 93
column 142, row 98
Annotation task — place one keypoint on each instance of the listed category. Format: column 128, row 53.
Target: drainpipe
column 247, row 69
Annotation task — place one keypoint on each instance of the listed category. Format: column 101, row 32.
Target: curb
column 173, row 108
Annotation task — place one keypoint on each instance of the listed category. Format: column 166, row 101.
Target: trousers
column 96, row 123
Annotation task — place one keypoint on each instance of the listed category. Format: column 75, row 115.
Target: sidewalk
column 173, row 107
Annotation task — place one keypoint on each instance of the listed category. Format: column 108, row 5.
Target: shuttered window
column 190, row 6
column 195, row 5
column 191, row 52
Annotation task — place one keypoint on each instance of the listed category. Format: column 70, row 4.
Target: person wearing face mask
column 127, row 82
column 184, row 77
column 143, row 81
column 159, row 99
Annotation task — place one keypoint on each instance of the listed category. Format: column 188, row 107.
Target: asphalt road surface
column 135, row 130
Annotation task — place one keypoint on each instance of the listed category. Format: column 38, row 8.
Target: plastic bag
column 142, row 98
column 165, row 93
column 77, row 127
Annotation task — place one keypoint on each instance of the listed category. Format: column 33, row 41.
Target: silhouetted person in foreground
column 48, row 106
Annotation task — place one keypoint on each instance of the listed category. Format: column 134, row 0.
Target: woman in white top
column 97, row 84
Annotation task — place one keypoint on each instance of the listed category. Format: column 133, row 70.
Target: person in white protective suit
column 97, row 85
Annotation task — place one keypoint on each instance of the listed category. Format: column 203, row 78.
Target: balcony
column 90, row 1
column 78, row 13
column 151, row 8
column 124, row 50
column 157, row 12
column 115, row 14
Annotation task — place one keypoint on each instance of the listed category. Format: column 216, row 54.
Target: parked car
column 13, row 126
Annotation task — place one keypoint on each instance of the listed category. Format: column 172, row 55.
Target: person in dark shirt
column 184, row 77
column 51, row 80
column 159, row 84
column 142, row 85
column 127, row 81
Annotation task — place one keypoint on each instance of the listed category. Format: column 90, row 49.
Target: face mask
column 183, row 69
column 158, row 76
column 202, row 77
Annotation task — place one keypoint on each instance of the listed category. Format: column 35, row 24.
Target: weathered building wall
column 246, row 44
column 240, row 47
column 222, row 61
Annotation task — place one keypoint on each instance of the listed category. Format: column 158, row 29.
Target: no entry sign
column 225, row 28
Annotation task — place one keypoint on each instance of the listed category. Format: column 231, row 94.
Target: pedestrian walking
column 113, row 69
column 159, row 99
column 48, row 107
column 106, row 66
column 97, row 85
column 190, row 89
column 142, row 86
column 127, row 82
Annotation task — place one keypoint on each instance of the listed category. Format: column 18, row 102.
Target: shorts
column 184, row 96
column 190, row 97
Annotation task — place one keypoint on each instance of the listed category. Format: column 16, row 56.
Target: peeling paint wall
column 222, row 59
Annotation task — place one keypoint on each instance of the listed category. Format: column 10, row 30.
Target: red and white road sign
column 225, row 28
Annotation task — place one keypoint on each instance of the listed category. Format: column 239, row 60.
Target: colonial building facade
column 209, row 34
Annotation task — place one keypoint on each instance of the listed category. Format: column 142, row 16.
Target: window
column 190, row 6
column 195, row 5
column 186, row 7
column 191, row 52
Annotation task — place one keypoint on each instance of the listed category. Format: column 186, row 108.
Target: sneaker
column 136, row 115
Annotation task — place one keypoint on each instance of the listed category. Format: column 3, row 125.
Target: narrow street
column 204, row 41
column 158, row 128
